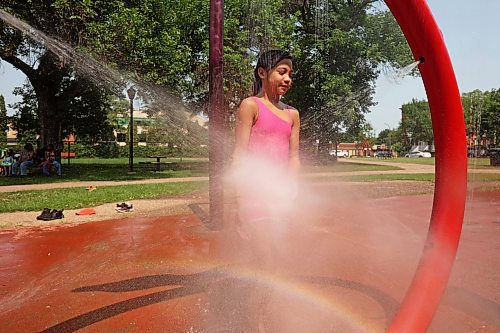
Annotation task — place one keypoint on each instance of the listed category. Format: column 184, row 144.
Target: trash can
column 495, row 156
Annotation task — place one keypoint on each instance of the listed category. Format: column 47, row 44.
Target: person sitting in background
column 7, row 162
column 25, row 160
column 50, row 160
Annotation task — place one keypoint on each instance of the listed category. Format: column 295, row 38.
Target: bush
column 107, row 150
column 111, row 149
column 81, row 150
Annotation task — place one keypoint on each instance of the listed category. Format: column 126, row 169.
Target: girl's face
column 279, row 79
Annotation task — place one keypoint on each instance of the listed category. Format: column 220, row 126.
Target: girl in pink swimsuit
column 266, row 154
column 266, row 163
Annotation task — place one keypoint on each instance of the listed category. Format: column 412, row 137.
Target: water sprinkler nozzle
column 421, row 60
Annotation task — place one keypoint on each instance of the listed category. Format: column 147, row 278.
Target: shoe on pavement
column 55, row 215
column 44, row 215
column 59, row 214
column 124, row 207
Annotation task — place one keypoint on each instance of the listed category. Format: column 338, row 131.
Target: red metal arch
column 425, row 40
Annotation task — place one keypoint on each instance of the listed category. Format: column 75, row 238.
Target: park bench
column 36, row 169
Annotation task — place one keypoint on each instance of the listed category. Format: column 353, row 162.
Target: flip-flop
column 86, row 211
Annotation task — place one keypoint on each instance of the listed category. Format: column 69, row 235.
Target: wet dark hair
column 267, row 60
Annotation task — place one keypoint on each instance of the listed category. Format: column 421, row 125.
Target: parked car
column 419, row 154
column 382, row 154
column 339, row 153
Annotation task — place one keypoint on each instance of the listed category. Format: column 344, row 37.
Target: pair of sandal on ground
column 50, row 214
column 124, row 207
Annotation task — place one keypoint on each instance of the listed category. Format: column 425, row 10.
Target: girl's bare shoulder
column 294, row 114
column 287, row 106
column 291, row 108
column 248, row 105
column 248, row 102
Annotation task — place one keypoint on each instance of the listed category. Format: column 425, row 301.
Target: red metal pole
column 216, row 115
column 426, row 41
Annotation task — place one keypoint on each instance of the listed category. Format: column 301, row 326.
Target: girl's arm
column 246, row 117
column 294, row 162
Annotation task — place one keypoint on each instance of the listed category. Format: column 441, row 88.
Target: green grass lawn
column 79, row 197
column 116, row 169
column 479, row 163
column 346, row 167
column 385, row 177
column 124, row 160
column 414, row 160
column 471, row 162
column 483, row 177
column 471, row 177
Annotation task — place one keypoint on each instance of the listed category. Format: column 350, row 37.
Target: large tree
column 416, row 124
column 56, row 87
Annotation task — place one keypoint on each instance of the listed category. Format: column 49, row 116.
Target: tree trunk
column 47, row 82
column 48, row 118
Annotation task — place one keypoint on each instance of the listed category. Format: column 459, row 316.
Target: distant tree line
column 481, row 115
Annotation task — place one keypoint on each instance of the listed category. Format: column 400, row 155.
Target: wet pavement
column 344, row 265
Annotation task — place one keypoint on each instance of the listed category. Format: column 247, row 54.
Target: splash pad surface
column 159, row 274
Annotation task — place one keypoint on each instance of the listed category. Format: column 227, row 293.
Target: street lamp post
column 131, row 95
column 389, row 138
column 409, row 134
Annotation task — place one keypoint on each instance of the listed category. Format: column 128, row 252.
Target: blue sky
column 471, row 31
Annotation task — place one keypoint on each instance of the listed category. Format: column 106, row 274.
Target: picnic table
column 158, row 162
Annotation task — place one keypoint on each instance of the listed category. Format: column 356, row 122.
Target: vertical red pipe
column 216, row 114
column 425, row 40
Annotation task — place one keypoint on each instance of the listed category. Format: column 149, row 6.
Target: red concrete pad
column 101, row 274
column 342, row 263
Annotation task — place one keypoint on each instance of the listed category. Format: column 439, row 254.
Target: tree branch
column 18, row 63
